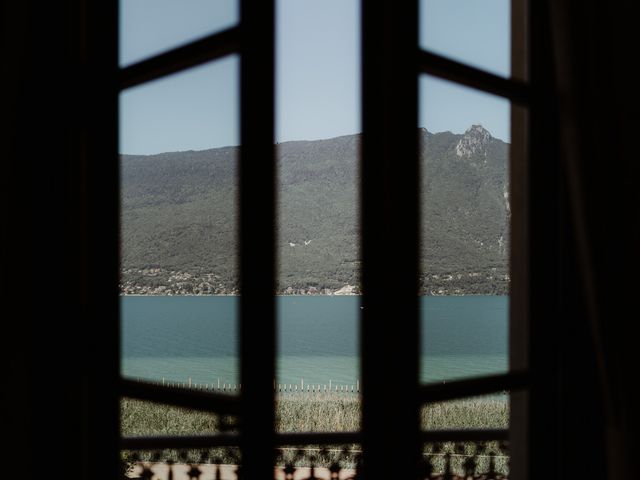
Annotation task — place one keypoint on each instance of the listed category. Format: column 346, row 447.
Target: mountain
column 179, row 217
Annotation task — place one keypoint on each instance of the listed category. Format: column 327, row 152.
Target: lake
column 179, row 337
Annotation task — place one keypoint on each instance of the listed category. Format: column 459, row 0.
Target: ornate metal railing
column 466, row 460
column 488, row 460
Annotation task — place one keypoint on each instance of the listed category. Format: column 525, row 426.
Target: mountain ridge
column 179, row 217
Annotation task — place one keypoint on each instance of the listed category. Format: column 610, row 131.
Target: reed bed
column 304, row 412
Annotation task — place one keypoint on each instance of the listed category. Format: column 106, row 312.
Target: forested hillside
column 179, row 217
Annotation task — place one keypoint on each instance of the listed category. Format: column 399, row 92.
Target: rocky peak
column 473, row 142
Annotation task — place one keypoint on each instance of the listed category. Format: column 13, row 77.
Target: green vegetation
column 300, row 412
column 303, row 412
column 488, row 412
column 138, row 418
column 318, row 412
column 179, row 218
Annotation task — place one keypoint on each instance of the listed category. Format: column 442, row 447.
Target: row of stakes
column 280, row 387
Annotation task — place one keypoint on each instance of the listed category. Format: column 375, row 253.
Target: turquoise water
column 177, row 338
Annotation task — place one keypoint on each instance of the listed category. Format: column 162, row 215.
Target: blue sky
column 317, row 71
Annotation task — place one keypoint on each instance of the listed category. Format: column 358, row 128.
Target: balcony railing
column 482, row 460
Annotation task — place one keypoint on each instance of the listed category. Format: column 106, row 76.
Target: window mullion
column 210, row 48
column 180, row 397
column 257, row 239
column 442, row 67
column 389, row 175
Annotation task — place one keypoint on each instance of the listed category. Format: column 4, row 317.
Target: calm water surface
column 177, row 338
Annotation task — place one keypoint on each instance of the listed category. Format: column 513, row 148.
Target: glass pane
column 318, row 409
column 318, row 119
column 149, row 27
column 178, row 138
column 465, row 231
column 476, row 32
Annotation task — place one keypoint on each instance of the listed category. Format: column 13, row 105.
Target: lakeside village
column 158, row 281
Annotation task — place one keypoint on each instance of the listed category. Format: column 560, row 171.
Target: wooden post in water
column 329, row 384
column 189, row 382
column 163, row 381
column 358, row 386
column 218, row 384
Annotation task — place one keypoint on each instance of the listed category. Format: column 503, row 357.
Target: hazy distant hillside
column 179, row 217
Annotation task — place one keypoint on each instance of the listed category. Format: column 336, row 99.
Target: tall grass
column 317, row 412
column 138, row 417
column 483, row 412
column 304, row 412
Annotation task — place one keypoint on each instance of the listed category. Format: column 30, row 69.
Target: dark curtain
column 595, row 51
column 59, row 220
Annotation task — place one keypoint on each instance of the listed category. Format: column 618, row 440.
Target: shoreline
column 311, row 295
column 235, row 295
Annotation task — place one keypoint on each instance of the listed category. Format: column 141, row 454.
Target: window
column 391, row 439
